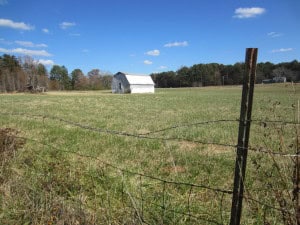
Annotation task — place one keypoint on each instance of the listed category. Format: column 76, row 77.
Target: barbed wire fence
column 185, row 210
column 149, row 199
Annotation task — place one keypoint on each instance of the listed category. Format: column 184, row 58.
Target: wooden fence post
column 243, row 138
column 296, row 175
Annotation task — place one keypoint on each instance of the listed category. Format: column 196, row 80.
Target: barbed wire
column 267, row 205
column 129, row 171
column 145, row 136
column 212, row 221
column 176, row 183
column 123, row 171
column 149, row 136
column 282, row 122
column 260, row 122
column 188, row 125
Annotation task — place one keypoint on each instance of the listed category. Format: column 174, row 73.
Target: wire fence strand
column 145, row 136
column 142, row 176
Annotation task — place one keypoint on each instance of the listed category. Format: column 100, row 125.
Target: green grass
column 50, row 180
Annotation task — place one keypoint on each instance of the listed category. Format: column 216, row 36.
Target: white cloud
column 243, row 13
column 153, row 52
column 45, row 30
column 15, row 25
column 45, row 62
column 148, row 62
column 282, row 50
column 66, row 25
column 274, row 34
column 163, row 67
column 29, row 44
column 3, row 2
column 177, row 44
column 23, row 51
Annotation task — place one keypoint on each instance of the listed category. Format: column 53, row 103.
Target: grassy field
column 163, row 158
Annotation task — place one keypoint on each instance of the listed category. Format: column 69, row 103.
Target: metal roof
column 138, row 79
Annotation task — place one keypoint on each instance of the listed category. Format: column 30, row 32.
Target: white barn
column 127, row 83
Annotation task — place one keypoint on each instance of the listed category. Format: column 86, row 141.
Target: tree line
column 24, row 74
column 219, row 74
column 95, row 79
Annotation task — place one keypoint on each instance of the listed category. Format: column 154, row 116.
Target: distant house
column 274, row 80
column 279, row 79
column 128, row 83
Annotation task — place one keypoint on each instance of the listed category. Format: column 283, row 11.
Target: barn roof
column 138, row 79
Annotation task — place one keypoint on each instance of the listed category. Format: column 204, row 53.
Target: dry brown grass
column 208, row 149
column 174, row 169
column 9, row 143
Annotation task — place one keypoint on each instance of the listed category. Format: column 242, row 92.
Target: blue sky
column 142, row 36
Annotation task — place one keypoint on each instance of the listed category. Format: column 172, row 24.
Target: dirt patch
column 216, row 149
column 204, row 149
column 143, row 131
column 9, row 143
column 174, row 169
column 186, row 146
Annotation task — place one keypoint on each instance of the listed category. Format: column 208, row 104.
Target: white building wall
column 141, row 88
